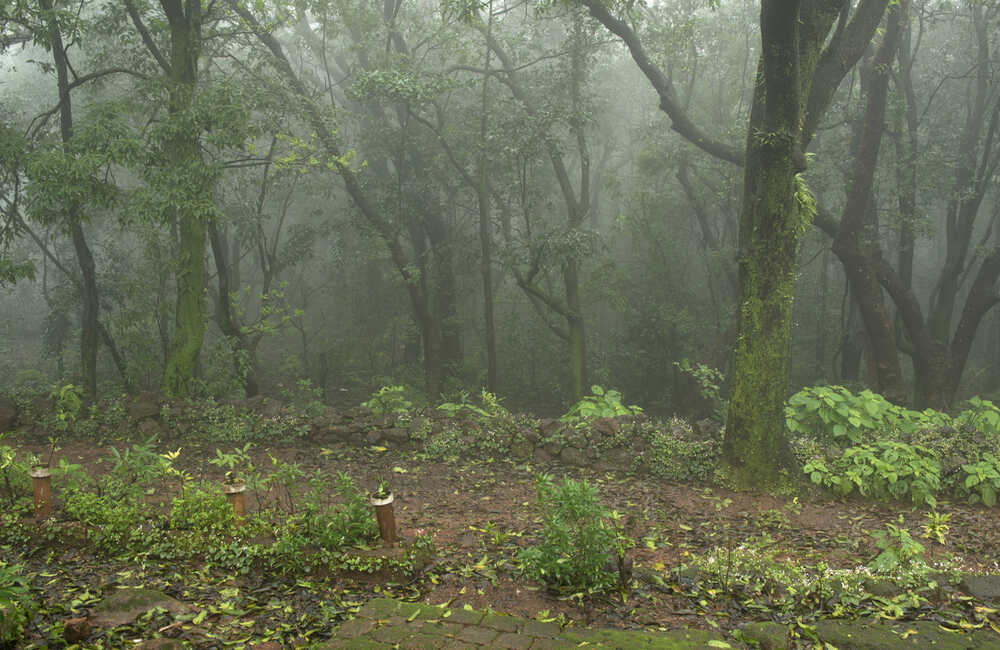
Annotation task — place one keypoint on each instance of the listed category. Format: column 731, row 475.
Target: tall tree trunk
column 184, row 18
column 226, row 316
column 486, row 222
column 857, row 220
column 577, row 334
column 84, row 256
column 771, row 225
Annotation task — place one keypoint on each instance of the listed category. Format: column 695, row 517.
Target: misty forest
column 499, row 323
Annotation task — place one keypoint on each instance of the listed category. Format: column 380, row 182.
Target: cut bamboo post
column 41, row 479
column 386, row 518
column 235, row 494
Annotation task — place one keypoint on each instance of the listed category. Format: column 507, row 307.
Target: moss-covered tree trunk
column 771, row 226
column 801, row 65
column 184, row 18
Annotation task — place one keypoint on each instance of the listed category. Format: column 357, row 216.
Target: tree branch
column 669, row 102
column 147, row 38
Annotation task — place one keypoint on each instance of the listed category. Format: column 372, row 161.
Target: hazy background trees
column 454, row 195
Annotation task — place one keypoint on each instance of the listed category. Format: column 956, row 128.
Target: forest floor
column 480, row 514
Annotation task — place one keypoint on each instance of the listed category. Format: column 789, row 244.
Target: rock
column 76, row 630
column 396, row 435
column 374, row 436
column 573, row 456
column 8, row 414
column 255, row 404
column 123, row 606
column 617, row 458
column 341, row 431
column 520, row 450
column 531, row 435
column 768, row 635
column 542, row 456
column 882, row 587
column 150, row 427
column 145, row 405
column 417, row 423
column 606, row 426
column 548, row 426
column 985, row 588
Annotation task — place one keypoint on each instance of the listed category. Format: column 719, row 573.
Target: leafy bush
column 114, row 522
column 14, row 474
column 16, row 605
column 576, row 539
column 348, row 524
column 885, row 469
column 133, row 470
column 388, row 400
column 68, row 405
column 600, row 404
column 202, row 508
column 835, row 414
column 980, row 415
column 981, row 480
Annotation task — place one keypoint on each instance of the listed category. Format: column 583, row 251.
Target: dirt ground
column 481, row 513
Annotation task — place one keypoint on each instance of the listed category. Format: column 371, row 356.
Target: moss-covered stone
column 869, row 635
column 123, row 606
column 380, row 608
column 767, row 635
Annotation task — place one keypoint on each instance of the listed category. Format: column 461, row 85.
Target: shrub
column 835, row 414
column 114, row 522
column 980, row 415
column 885, row 469
column 13, row 475
column 202, row 508
column 576, row 539
column 349, row 524
column 388, row 400
column 981, row 480
column 16, row 605
column 600, row 404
